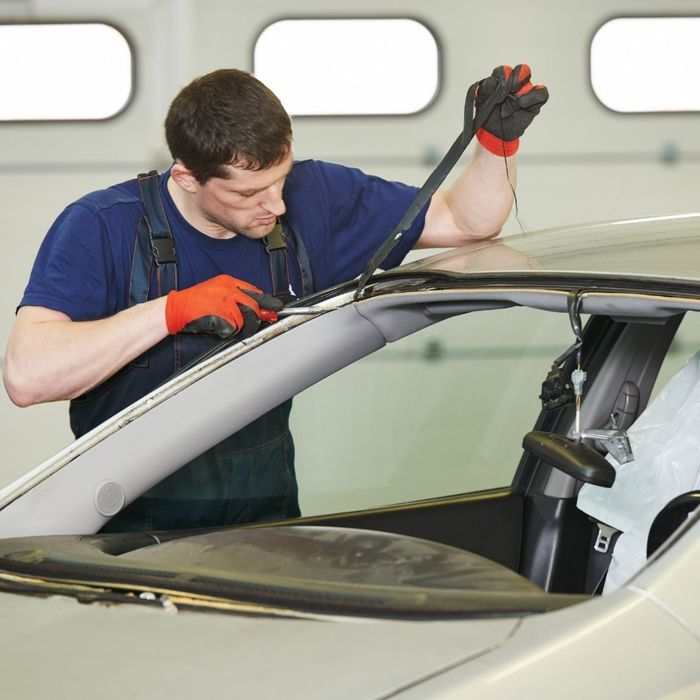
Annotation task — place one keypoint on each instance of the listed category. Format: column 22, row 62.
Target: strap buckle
column 604, row 538
column 163, row 250
column 275, row 239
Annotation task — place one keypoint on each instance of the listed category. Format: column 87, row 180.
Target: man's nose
column 273, row 201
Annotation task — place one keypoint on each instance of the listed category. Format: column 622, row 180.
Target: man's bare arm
column 49, row 357
column 475, row 206
column 479, row 202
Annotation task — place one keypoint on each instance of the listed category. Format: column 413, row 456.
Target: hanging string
column 510, row 184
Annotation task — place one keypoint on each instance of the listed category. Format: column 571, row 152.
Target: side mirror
column 572, row 457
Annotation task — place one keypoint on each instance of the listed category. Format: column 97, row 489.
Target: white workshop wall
column 579, row 161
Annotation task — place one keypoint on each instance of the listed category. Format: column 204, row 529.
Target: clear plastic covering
column 665, row 440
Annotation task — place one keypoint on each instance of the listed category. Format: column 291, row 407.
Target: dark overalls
column 249, row 476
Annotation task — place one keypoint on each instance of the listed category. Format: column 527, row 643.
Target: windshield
column 650, row 248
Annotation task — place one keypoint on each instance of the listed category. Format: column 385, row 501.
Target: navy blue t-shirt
column 343, row 215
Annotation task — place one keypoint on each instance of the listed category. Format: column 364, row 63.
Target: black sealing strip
column 472, row 123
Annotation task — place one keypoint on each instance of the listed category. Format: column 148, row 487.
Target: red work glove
column 517, row 106
column 222, row 305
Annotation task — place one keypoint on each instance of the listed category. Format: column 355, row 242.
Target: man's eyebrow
column 260, row 189
column 248, row 192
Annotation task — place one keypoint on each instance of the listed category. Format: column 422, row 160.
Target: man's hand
column 222, row 305
column 518, row 101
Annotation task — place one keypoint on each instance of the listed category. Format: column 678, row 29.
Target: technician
column 134, row 281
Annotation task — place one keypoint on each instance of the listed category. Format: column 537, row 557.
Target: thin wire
column 510, row 184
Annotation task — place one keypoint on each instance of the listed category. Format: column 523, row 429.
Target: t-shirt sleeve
column 360, row 212
column 71, row 272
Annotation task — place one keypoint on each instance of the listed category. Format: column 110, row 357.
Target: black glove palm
column 518, row 102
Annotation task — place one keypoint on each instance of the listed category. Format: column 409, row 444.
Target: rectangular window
column 58, row 71
column 647, row 64
column 349, row 66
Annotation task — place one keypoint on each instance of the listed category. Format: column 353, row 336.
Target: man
column 134, row 281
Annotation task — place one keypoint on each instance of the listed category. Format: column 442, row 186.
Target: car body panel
column 665, row 582
column 640, row 642
column 581, row 653
column 174, row 653
column 152, row 653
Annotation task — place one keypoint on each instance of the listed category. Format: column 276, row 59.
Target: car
column 466, row 404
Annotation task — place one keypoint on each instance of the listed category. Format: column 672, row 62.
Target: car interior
column 534, row 526
column 531, row 528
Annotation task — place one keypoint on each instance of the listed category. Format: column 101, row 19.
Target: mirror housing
column 570, row 456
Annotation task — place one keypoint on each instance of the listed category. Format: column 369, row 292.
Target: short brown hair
column 227, row 117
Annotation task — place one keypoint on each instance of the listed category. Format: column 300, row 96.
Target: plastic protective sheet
column 665, row 441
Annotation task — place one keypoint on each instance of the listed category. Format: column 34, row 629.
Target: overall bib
column 250, row 475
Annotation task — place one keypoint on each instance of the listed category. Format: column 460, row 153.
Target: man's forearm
column 481, row 198
column 49, row 357
column 475, row 206
column 479, row 201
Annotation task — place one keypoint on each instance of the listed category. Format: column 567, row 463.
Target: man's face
column 246, row 203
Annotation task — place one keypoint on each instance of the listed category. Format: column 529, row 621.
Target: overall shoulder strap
column 276, row 249
column 154, row 244
column 307, row 278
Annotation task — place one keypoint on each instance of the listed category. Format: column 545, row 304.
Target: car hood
column 261, row 610
column 85, row 651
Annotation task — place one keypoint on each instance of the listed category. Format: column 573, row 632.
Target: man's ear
column 183, row 177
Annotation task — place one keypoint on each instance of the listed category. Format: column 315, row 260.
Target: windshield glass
column 655, row 247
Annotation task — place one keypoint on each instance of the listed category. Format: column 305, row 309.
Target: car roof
column 665, row 247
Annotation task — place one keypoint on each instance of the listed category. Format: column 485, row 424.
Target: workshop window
column 349, row 66
column 55, row 72
column 647, row 64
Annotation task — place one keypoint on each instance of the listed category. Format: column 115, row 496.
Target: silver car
column 449, row 418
